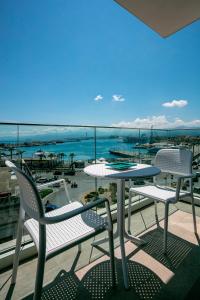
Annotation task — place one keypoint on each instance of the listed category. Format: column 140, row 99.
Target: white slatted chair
column 177, row 162
column 57, row 230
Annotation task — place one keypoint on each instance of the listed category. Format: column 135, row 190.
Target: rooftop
column 152, row 275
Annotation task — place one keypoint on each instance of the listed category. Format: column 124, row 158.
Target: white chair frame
column 176, row 162
column 45, row 220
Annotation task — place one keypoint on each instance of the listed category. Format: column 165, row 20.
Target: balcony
column 152, row 275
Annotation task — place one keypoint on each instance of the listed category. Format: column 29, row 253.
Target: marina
column 125, row 154
column 86, row 148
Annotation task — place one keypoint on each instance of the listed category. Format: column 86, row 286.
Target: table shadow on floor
column 97, row 284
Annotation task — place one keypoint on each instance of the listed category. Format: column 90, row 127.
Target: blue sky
column 57, row 57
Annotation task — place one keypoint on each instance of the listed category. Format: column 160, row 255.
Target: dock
column 122, row 153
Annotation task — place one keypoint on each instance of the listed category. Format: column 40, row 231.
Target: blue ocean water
column 83, row 149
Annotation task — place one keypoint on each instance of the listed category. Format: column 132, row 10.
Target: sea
column 83, row 149
column 80, row 142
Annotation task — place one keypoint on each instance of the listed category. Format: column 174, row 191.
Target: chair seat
column 62, row 234
column 158, row 193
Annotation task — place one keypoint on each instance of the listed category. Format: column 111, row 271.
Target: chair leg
column 79, row 247
column 18, row 244
column 39, row 276
column 17, row 252
column 129, row 213
column 156, row 213
column 112, row 257
column 40, row 267
column 165, row 228
column 194, row 215
column 111, row 243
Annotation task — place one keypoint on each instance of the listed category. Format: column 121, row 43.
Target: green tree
column 11, row 149
column 71, row 160
column 20, row 153
column 61, row 156
column 51, row 156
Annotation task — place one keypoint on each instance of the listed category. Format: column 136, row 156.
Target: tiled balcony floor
column 152, row 275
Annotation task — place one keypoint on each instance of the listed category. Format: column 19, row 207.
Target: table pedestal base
column 121, row 232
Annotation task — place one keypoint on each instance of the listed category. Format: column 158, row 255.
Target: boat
column 122, row 153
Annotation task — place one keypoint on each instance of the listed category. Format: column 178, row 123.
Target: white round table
column 137, row 171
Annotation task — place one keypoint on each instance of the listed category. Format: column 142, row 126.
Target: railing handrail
column 97, row 126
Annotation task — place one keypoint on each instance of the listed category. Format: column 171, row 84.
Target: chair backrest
column 30, row 198
column 26, row 169
column 175, row 161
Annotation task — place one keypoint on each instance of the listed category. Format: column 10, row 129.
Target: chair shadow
column 10, row 292
column 97, row 284
column 182, row 258
column 64, row 286
column 177, row 249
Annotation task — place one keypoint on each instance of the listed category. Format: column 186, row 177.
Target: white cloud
column 118, row 98
column 98, row 98
column 176, row 103
column 158, row 122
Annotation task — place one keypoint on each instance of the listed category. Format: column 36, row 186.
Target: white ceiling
column 164, row 16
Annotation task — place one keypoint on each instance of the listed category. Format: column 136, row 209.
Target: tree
column 20, row 153
column 11, row 149
column 61, row 156
column 71, row 162
column 51, row 156
column 41, row 154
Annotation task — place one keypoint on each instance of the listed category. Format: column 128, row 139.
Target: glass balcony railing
column 57, row 151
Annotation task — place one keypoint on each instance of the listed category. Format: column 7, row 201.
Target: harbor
column 125, row 154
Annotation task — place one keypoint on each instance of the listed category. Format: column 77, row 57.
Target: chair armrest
column 63, row 217
column 40, row 186
column 186, row 176
column 50, row 183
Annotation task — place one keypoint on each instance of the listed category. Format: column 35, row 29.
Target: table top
column 140, row 170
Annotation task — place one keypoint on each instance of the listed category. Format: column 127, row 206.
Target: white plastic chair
column 57, row 230
column 177, row 162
